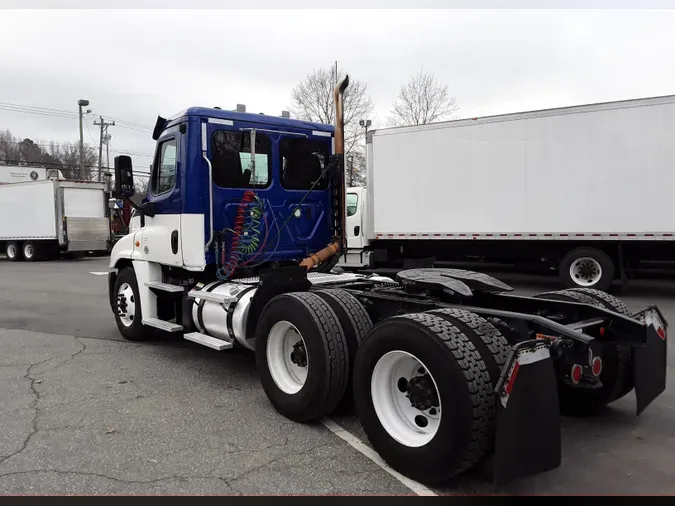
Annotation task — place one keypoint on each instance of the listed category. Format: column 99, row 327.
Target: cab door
column 160, row 237
column 354, row 204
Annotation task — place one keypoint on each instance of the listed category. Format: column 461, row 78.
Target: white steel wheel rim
column 281, row 342
column 11, row 250
column 126, row 293
column 393, row 408
column 28, row 251
column 586, row 271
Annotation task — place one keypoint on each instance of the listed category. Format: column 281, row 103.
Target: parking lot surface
column 84, row 411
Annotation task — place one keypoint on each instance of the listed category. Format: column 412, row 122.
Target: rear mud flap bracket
column 528, row 439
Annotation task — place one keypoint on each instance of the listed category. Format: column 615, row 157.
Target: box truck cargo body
column 587, row 189
column 43, row 218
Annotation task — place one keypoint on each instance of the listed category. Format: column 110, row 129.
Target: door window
column 352, row 203
column 231, row 159
column 164, row 177
column 302, row 163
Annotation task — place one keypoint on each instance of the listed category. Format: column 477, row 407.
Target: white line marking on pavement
column 364, row 449
column 100, row 273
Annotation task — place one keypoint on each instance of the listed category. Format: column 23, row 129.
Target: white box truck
column 42, row 219
column 587, row 189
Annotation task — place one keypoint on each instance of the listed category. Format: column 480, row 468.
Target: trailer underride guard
column 444, row 367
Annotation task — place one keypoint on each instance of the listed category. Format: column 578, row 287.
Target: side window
column 352, row 203
column 164, row 176
column 231, row 159
column 302, row 163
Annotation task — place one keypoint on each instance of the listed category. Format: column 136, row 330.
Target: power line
column 44, row 145
column 65, row 166
column 59, row 113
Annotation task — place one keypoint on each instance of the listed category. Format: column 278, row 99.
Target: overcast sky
column 136, row 64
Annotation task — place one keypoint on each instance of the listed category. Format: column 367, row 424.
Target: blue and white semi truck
column 238, row 237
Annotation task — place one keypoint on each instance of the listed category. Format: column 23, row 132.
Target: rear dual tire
column 30, row 251
column 424, row 396
column 302, row 356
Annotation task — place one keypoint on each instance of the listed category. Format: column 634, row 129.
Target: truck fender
column 126, row 249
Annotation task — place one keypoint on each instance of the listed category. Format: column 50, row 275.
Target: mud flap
column 650, row 361
column 528, row 437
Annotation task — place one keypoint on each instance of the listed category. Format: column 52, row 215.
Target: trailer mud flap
column 528, row 437
column 650, row 362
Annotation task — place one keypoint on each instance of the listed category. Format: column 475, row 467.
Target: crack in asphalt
column 34, row 405
column 269, row 463
column 84, row 347
column 112, row 478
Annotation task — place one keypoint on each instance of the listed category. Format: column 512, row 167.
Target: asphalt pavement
column 84, row 411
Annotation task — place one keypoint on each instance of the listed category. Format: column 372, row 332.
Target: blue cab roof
column 207, row 112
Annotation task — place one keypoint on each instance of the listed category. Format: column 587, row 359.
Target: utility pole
column 107, row 151
column 82, row 103
column 104, row 131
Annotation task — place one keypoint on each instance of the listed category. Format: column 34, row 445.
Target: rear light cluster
column 594, row 365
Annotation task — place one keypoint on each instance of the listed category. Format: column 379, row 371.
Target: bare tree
column 423, row 99
column 312, row 100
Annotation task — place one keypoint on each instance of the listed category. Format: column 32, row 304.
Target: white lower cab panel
column 156, row 245
column 193, row 241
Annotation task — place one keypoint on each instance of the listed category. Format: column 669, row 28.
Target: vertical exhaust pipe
column 340, row 243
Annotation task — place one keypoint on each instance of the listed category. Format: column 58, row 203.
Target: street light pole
column 82, row 103
column 366, row 124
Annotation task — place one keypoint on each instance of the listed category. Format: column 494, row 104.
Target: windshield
column 302, row 163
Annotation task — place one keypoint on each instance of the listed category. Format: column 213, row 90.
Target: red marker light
column 596, row 366
column 661, row 333
column 575, row 374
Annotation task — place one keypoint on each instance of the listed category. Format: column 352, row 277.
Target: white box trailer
column 44, row 218
column 587, row 189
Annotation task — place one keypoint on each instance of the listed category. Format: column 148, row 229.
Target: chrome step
column 218, row 298
column 162, row 325
column 208, row 341
column 165, row 287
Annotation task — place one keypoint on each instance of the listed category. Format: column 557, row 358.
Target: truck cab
column 217, row 173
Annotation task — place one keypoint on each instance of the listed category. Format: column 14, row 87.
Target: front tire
column 13, row 251
column 127, row 311
column 424, row 397
column 302, row 356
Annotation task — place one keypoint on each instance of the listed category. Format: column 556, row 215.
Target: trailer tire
column 128, row 322
column 575, row 263
column 30, row 251
column 490, row 343
column 356, row 324
column 454, row 442
column 325, row 355
column 616, row 375
column 13, row 251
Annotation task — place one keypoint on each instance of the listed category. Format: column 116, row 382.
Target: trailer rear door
column 87, row 226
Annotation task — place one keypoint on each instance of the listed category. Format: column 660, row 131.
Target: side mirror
column 115, row 204
column 124, row 177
